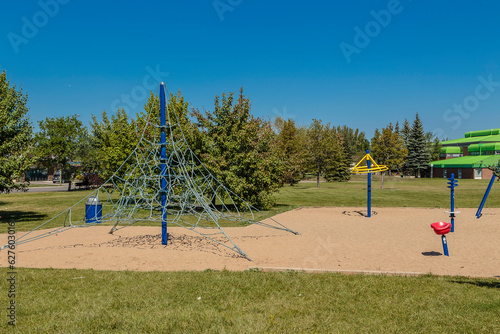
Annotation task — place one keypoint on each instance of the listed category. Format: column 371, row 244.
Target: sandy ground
column 396, row 240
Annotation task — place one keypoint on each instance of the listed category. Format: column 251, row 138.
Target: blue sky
column 359, row 63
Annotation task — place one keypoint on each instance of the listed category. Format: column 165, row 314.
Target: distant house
column 469, row 157
column 38, row 173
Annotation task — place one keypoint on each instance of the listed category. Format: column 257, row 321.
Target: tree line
column 251, row 156
column 406, row 150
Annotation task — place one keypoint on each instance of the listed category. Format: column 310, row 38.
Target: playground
column 335, row 239
column 163, row 182
column 215, row 255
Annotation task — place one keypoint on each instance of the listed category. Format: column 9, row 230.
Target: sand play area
column 394, row 240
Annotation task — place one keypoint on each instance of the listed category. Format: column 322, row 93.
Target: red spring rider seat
column 441, row 227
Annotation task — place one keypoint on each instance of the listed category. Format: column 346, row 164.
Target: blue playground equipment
column 443, row 228
column 452, row 183
column 163, row 165
column 371, row 167
column 485, row 197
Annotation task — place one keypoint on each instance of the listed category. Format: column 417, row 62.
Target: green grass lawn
column 397, row 192
column 88, row 301
column 32, row 209
column 40, row 185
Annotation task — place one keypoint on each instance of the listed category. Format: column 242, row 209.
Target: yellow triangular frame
column 364, row 169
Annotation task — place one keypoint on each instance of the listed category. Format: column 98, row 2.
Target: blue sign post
column 369, row 206
column 452, row 183
column 163, row 172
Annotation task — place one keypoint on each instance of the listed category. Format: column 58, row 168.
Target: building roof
column 451, row 149
column 481, row 133
column 471, row 161
column 484, row 147
column 472, row 140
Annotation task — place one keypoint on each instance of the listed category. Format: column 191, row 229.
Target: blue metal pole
column 483, row 201
column 163, row 158
column 445, row 245
column 452, row 214
column 369, row 208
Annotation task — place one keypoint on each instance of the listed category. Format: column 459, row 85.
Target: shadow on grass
column 23, row 216
column 281, row 205
column 222, row 208
column 490, row 285
column 79, row 189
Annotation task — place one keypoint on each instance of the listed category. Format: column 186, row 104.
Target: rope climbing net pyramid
column 162, row 181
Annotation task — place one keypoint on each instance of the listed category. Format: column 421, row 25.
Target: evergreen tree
column 397, row 129
column 16, row 134
column 406, row 132
column 354, row 142
column 418, row 153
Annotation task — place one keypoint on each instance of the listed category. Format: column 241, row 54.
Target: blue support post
column 452, row 184
column 445, row 245
column 483, row 201
column 163, row 158
column 369, row 206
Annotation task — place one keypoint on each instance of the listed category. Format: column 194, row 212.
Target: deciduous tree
column 325, row 153
column 496, row 170
column 340, row 160
column 240, row 150
column 433, row 146
column 388, row 148
column 289, row 145
column 113, row 140
column 16, row 134
column 59, row 142
column 177, row 113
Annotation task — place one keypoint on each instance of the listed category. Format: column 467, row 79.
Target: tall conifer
column 418, row 154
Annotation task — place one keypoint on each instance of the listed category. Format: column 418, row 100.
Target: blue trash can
column 93, row 210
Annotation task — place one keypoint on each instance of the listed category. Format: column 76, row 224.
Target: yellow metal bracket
column 361, row 168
